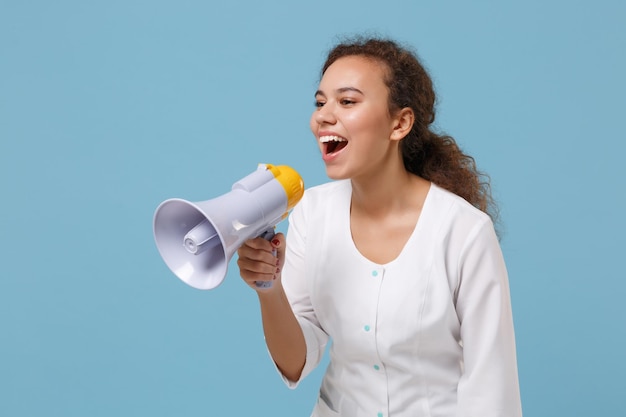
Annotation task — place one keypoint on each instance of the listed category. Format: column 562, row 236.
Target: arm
column 294, row 336
column 283, row 334
column 489, row 385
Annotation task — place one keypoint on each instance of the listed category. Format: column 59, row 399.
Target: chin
column 336, row 174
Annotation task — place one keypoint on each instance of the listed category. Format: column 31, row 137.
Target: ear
column 402, row 123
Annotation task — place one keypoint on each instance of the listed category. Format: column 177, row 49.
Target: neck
column 387, row 191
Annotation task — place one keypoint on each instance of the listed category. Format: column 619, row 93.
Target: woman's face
column 351, row 122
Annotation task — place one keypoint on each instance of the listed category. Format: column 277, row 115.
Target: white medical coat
column 427, row 334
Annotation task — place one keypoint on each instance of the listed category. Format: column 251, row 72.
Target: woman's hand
column 262, row 261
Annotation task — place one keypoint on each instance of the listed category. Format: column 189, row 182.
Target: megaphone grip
column 267, row 235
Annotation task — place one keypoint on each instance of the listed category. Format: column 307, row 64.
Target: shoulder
column 321, row 203
column 455, row 207
column 326, row 193
column 459, row 222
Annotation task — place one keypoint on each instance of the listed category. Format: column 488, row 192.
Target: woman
column 396, row 260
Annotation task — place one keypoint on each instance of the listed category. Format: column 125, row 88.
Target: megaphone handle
column 267, row 235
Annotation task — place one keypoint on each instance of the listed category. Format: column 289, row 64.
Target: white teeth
column 331, row 138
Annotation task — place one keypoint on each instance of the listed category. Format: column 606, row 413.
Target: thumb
column 279, row 244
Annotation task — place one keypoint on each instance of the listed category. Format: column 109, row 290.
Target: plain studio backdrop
column 108, row 108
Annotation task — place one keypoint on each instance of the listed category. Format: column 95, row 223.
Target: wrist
column 273, row 293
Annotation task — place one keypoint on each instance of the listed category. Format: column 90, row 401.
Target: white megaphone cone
column 197, row 240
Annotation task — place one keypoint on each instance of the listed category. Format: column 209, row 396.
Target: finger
column 258, row 243
column 279, row 245
column 249, row 267
column 258, row 250
column 254, row 272
column 258, row 261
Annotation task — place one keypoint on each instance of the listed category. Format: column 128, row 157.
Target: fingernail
column 277, row 262
column 276, row 242
column 277, row 270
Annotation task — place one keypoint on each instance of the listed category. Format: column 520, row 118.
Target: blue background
column 108, row 108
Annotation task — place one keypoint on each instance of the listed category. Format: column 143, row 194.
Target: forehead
column 356, row 71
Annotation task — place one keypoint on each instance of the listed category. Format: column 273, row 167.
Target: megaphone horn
column 197, row 240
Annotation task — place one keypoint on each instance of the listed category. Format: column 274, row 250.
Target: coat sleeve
column 489, row 385
column 297, row 287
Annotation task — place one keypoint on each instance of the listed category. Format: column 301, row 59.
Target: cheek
column 362, row 121
column 313, row 123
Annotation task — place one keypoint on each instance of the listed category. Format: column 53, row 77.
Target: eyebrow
column 340, row 90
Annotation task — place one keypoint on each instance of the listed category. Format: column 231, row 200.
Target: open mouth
column 333, row 143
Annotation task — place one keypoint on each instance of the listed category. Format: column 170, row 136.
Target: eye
column 347, row 101
column 319, row 103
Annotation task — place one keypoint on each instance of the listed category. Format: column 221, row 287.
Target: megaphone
column 197, row 240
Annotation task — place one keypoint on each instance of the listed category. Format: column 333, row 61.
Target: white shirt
column 427, row 334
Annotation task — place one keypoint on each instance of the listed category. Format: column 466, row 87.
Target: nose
column 325, row 115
